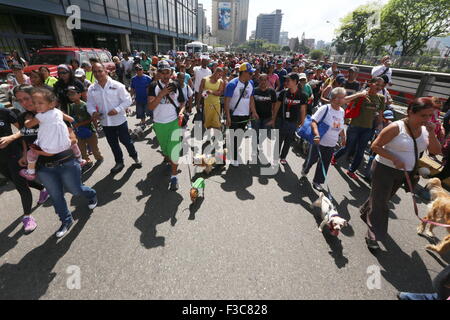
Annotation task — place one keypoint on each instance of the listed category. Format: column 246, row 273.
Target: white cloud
column 302, row 16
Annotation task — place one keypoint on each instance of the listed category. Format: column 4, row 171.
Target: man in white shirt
column 127, row 64
column 107, row 101
column 200, row 73
column 384, row 69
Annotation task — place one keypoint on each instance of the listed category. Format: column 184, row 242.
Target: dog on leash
column 438, row 211
column 330, row 217
column 208, row 162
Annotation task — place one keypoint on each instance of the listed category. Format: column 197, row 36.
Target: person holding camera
column 107, row 101
column 167, row 102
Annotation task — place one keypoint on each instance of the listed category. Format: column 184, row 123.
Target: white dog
column 329, row 215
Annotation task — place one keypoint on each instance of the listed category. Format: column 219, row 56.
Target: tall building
column 202, row 27
column 253, row 35
column 320, row 44
column 310, row 43
column 230, row 21
column 284, row 39
column 148, row 25
column 268, row 26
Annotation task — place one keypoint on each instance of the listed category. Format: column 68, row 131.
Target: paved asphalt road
column 252, row 237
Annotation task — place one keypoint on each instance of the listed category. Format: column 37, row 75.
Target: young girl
column 53, row 134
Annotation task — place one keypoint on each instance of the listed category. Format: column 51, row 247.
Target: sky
column 301, row 16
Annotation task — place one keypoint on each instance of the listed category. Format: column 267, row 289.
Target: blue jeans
column 418, row 296
column 116, row 134
column 142, row 110
column 357, row 140
column 313, row 157
column 67, row 175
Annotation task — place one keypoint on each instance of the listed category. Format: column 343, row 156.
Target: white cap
column 79, row 73
column 302, row 76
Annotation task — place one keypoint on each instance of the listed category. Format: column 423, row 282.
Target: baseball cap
column 64, row 66
column 309, row 71
column 388, row 114
column 302, row 76
column 163, row 65
column 73, row 89
column 354, row 69
column 340, row 78
column 246, row 67
column 293, row 76
column 280, row 62
column 138, row 67
column 79, row 73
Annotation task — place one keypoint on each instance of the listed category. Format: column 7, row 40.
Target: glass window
column 104, row 58
column 141, row 12
column 83, row 4
column 134, row 11
column 123, row 10
column 97, row 6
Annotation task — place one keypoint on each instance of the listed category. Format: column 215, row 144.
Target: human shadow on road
column 6, row 242
column 161, row 206
column 404, row 272
column 30, row 278
column 194, row 208
column 238, row 180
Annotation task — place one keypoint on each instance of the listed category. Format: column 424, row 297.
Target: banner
column 224, row 15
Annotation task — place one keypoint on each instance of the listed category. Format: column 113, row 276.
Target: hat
column 138, row 67
column 388, row 114
column 340, row 79
column 354, row 69
column 163, row 65
column 246, row 67
column 79, row 73
column 293, row 76
column 309, row 71
column 73, row 88
column 85, row 65
column 64, row 66
column 280, row 62
column 302, row 76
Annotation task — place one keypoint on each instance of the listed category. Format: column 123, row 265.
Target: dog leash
column 416, row 208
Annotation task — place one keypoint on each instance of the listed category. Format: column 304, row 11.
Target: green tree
column 286, row 49
column 316, row 54
column 414, row 22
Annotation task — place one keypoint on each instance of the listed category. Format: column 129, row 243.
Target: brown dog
column 439, row 211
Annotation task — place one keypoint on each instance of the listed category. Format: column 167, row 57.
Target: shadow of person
column 107, row 187
column 288, row 181
column 404, row 272
column 162, row 206
column 238, row 180
column 6, row 242
column 194, row 207
column 30, row 278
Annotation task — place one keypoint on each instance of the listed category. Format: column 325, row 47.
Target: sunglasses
column 62, row 72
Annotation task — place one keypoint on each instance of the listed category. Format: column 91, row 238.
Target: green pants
column 169, row 136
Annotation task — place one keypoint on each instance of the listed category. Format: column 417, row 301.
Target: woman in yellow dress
column 212, row 88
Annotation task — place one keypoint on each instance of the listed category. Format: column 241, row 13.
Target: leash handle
column 416, row 209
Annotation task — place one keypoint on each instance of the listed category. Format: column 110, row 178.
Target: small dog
column 438, row 211
column 208, row 162
column 197, row 190
column 329, row 215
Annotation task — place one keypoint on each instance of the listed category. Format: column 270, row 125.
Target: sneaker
column 137, row 162
column 29, row 224
column 352, row 175
column 372, row 244
column 24, row 174
column 117, row 168
column 318, row 187
column 93, row 203
column 43, row 196
column 174, row 184
column 333, row 161
column 65, row 227
column 283, row 162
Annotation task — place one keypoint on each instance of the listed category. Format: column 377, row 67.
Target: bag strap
column 326, row 112
column 240, row 98
column 170, row 99
column 385, row 71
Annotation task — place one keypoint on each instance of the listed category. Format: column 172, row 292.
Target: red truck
column 52, row 57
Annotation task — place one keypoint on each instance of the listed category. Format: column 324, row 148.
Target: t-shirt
column 352, row 87
column 7, row 118
column 80, row 114
column 146, row 64
column 140, row 85
column 187, row 77
column 264, row 101
column 199, row 75
column 369, row 109
column 234, row 90
column 165, row 112
column 291, row 103
column 50, row 81
column 308, row 90
column 335, row 119
column 382, row 70
column 53, row 136
column 29, row 135
column 281, row 74
column 273, row 80
column 187, row 92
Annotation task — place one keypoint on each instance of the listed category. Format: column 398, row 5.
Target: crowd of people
column 59, row 119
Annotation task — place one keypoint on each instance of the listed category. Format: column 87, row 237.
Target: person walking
column 139, row 89
column 107, row 102
column 213, row 88
column 398, row 148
